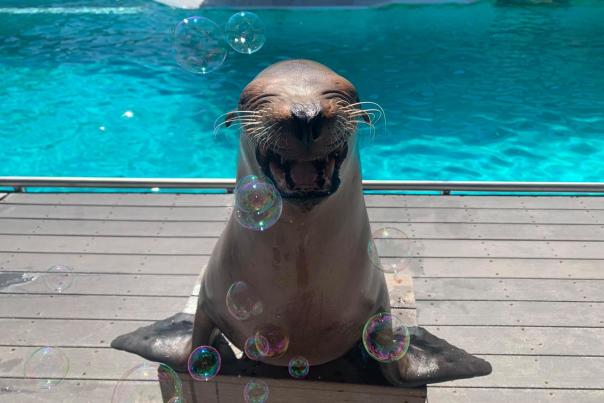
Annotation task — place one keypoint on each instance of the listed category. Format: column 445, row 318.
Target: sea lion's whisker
column 371, row 126
column 271, row 136
column 376, row 106
column 372, row 112
column 238, row 114
column 261, row 134
column 235, row 121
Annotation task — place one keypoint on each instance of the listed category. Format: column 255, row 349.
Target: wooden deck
column 516, row 280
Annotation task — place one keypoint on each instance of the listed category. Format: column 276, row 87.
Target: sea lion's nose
column 307, row 121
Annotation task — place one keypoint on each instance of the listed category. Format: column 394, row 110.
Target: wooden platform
column 517, row 280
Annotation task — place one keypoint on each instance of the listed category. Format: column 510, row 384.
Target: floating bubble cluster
column 199, row 45
column 393, row 237
column 204, row 363
column 242, row 302
column 258, row 204
column 244, row 32
column 255, row 391
column 47, row 366
column 58, row 278
column 386, row 338
column 298, row 367
column 256, row 347
column 127, row 391
column 278, row 340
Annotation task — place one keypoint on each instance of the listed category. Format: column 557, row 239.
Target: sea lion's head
column 298, row 121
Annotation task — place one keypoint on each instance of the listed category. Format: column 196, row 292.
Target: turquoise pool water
column 471, row 92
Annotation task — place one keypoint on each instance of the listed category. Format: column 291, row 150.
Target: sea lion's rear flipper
column 167, row 341
column 431, row 360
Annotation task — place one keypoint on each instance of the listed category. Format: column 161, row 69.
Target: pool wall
column 193, row 4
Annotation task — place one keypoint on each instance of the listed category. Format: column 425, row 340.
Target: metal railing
column 21, row 183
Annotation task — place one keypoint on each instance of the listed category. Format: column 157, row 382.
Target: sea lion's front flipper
column 167, row 341
column 430, row 360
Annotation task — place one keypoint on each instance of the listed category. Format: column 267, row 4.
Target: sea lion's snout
column 309, row 144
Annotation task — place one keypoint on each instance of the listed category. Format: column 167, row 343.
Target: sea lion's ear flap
column 230, row 118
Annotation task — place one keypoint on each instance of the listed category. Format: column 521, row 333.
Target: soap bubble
column 47, row 366
column 258, row 204
column 298, row 367
column 244, row 32
column 386, row 338
column 278, row 340
column 139, row 384
column 255, row 391
column 397, row 240
column 256, row 347
column 255, row 195
column 199, row 45
column 58, row 278
column 242, row 302
column 204, row 363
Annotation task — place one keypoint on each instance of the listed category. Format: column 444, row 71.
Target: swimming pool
column 471, row 92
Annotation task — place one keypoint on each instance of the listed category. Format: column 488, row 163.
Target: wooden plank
column 438, row 394
column 539, row 372
column 114, row 212
column 27, row 306
column 85, row 363
column 122, row 199
column 510, row 267
column 509, row 289
column 289, row 390
column 524, row 340
column 486, row 216
column 490, row 248
column 69, row 391
column 108, row 284
column 125, row 245
column 104, row 263
column 549, row 232
column 153, row 213
column 63, row 332
column 512, row 202
column 516, row 313
column 111, row 228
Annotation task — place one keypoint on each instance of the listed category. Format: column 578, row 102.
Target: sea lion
column 311, row 270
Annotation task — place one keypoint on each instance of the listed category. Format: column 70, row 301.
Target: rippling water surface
column 471, row 92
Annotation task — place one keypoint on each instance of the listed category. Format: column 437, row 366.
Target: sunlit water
column 471, row 92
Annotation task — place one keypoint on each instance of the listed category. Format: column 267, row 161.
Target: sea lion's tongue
column 304, row 174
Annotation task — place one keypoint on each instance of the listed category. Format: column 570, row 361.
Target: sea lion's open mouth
column 303, row 179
